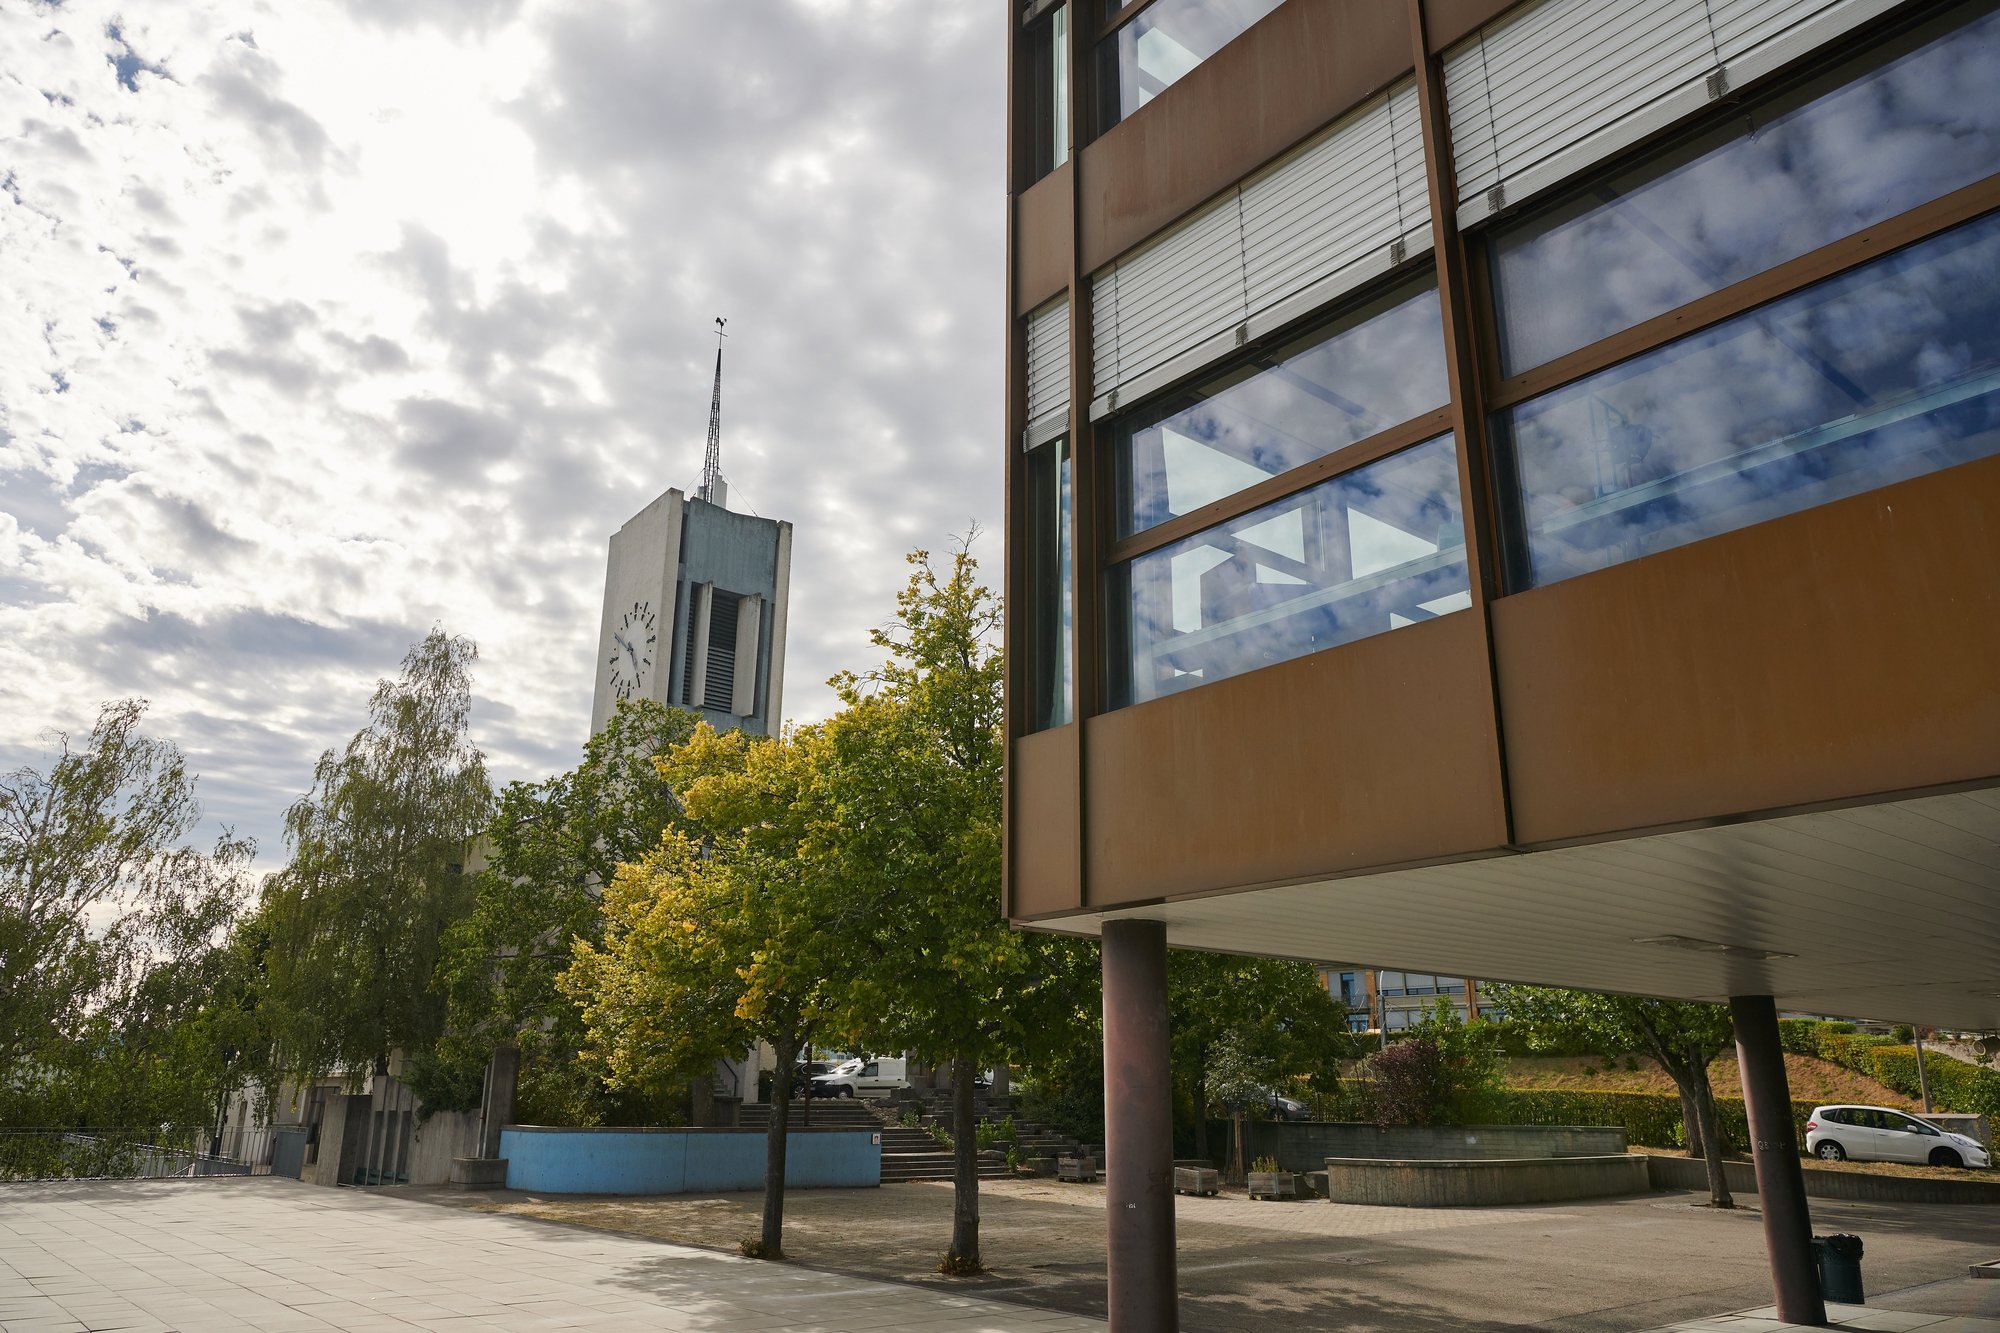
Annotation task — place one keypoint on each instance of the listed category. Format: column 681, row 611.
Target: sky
column 322, row 324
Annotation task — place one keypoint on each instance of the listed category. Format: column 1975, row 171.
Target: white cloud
column 324, row 323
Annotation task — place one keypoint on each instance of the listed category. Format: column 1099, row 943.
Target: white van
column 875, row 1077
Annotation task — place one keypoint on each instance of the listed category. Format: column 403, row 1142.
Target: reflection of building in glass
column 1500, row 484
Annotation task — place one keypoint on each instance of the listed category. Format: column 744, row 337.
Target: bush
column 1902, row 1033
column 1955, row 1085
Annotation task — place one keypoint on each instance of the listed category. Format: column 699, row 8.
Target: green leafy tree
column 552, row 847
column 374, row 881
column 714, row 943
column 111, row 930
column 1277, row 1012
column 1682, row 1037
column 1445, row 1071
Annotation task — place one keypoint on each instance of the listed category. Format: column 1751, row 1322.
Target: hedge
column 1955, row 1085
column 1650, row 1119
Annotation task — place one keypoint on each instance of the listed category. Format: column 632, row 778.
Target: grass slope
column 1814, row 1081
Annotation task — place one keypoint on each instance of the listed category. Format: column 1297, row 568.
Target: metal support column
column 1139, row 1129
column 1781, row 1186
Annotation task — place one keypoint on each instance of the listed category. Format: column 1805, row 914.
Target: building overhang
column 1886, row 911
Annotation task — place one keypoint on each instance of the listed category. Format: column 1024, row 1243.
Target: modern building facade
column 695, row 601
column 1509, row 484
column 1385, row 1000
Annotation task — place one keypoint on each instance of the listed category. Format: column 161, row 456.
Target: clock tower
column 694, row 614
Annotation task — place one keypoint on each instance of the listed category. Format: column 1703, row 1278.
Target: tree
column 717, row 941
column 374, row 881
column 111, row 927
column 553, row 847
column 1277, row 1013
column 1443, row 1071
column 1682, row 1037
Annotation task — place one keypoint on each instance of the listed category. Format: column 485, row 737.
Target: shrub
column 1955, row 1085
column 1902, row 1033
column 1650, row 1119
column 1409, row 1082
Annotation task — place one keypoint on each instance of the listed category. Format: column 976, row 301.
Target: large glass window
column 1375, row 367
column 1050, row 689
column 1163, row 42
column 1371, row 550
column 1871, row 139
column 1886, row 372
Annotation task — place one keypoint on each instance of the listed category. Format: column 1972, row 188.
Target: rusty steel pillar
column 1138, row 1129
column 1774, row 1149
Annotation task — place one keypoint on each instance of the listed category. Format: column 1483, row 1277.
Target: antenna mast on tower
column 713, row 488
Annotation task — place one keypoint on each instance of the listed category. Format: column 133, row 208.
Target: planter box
column 1274, row 1185
column 1079, row 1169
column 1197, row 1180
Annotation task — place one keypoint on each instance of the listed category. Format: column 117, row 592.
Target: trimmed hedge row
column 1955, row 1085
column 1651, row 1119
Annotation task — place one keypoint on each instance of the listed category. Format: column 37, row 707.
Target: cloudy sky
column 321, row 323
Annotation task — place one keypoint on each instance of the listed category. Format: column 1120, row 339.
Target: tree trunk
column 1200, row 1119
column 1236, row 1175
column 1690, row 1121
column 773, row 1237
column 963, row 1256
column 701, row 1101
column 1711, row 1139
column 806, row 1106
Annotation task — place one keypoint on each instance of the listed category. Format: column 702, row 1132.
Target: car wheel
column 1829, row 1151
column 847, row 1092
column 1946, row 1157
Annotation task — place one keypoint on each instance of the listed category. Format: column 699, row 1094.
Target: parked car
column 1878, row 1134
column 875, row 1078
column 1280, row 1107
column 821, row 1071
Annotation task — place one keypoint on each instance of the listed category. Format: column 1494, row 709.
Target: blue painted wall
column 683, row 1161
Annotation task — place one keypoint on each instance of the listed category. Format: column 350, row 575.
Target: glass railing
column 1162, row 43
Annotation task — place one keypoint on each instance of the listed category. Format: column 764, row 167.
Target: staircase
column 907, row 1154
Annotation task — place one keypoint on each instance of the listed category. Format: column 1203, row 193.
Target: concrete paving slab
column 275, row 1255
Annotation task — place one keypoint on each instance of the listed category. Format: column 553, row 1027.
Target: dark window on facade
column 1047, row 47
column 1051, row 691
column 719, row 685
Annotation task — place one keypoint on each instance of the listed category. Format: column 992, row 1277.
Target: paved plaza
column 280, row 1257
column 273, row 1254
column 1590, row 1266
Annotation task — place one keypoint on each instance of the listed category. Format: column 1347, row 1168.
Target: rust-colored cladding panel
column 1292, row 73
column 1042, row 238
column 1445, row 21
column 1044, row 860
column 1843, row 652
column 1376, row 753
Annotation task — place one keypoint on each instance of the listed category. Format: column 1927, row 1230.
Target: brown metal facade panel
column 1043, row 232
column 1848, row 651
column 1445, row 21
column 1043, row 861
column 1373, row 754
column 1290, row 74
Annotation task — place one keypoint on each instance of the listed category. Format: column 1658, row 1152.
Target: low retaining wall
column 1305, row 1145
column 682, row 1161
column 1483, row 1183
column 1691, row 1173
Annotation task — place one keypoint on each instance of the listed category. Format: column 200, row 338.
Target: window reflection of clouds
column 1300, row 403
column 1885, row 373
column 1368, row 551
column 1815, row 166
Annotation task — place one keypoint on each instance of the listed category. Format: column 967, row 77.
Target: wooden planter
column 1197, row 1180
column 1274, row 1185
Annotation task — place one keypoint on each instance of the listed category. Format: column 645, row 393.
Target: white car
column 1878, row 1134
column 876, row 1078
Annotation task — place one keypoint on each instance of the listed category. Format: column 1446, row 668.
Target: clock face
column 632, row 645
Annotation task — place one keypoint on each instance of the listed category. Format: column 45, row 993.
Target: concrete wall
column 682, row 1161
column 1479, row 1184
column 1305, row 1145
column 447, row 1134
column 1687, row 1173
column 343, row 1139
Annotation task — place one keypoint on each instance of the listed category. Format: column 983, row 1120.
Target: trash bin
column 1839, row 1260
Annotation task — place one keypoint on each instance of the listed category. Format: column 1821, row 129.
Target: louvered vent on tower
column 718, row 682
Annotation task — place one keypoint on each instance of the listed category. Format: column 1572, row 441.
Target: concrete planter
column 1483, row 1183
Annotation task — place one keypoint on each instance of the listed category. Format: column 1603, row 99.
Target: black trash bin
column 1839, row 1260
